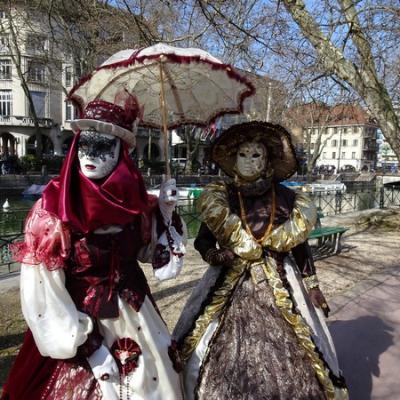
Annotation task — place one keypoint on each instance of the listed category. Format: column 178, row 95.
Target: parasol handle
column 164, row 123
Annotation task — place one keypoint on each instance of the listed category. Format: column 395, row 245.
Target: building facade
column 32, row 62
column 387, row 159
column 349, row 146
column 342, row 137
column 32, row 75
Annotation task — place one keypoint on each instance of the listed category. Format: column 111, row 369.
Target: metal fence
column 11, row 230
column 328, row 203
column 358, row 200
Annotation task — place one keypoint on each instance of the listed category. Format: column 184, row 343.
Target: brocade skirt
column 255, row 353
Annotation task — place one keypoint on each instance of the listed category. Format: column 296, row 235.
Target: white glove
column 105, row 370
column 103, row 363
column 167, row 199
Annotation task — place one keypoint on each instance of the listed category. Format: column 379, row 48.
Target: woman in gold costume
column 254, row 326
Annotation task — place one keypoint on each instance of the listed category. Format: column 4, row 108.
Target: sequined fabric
column 72, row 382
column 256, row 354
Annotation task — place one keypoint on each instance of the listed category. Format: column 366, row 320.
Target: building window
column 334, row 130
column 37, row 72
column 69, row 111
column 343, row 154
column 37, row 44
column 68, row 76
column 344, row 142
column 324, row 155
column 344, row 130
column 5, row 69
column 4, row 43
column 334, row 143
column 355, row 129
column 355, row 142
column 39, row 102
column 353, row 155
column 78, row 71
column 5, row 103
column 311, row 146
column 334, row 155
column 3, row 14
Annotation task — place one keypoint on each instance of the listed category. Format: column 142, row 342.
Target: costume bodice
column 103, row 267
column 258, row 208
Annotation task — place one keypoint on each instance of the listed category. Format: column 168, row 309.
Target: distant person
column 140, row 163
column 5, row 168
column 44, row 171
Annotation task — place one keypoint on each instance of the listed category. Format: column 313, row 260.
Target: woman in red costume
column 94, row 329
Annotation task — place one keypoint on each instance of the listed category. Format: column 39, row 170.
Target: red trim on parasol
column 136, row 58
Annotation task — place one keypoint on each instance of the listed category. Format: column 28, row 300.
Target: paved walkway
column 9, row 282
column 365, row 325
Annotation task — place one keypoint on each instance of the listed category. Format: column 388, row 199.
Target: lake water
column 329, row 204
column 11, row 220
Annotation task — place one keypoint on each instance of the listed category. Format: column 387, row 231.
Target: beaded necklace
column 271, row 220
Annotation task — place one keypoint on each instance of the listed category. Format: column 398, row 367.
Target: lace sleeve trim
column 47, row 240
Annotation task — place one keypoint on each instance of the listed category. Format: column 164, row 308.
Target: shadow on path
column 11, row 340
column 160, row 294
column 359, row 343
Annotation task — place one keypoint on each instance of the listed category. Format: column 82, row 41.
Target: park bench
column 328, row 239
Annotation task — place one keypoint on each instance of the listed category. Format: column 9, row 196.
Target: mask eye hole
column 242, row 155
column 256, row 155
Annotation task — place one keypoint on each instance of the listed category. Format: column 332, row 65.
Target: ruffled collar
column 227, row 227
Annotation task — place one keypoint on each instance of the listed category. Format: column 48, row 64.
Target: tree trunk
column 363, row 80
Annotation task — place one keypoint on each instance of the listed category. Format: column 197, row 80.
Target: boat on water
column 184, row 192
column 294, row 185
column 33, row 192
column 327, row 187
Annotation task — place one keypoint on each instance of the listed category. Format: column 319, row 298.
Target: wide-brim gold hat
column 276, row 139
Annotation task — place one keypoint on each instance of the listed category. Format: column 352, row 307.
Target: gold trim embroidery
column 310, row 282
column 214, row 210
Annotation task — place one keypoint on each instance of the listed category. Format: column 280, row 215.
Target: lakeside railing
column 11, row 230
column 11, row 222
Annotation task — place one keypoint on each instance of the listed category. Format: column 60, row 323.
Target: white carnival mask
column 97, row 153
column 251, row 160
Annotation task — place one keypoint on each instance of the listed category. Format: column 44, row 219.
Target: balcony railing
column 13, row 120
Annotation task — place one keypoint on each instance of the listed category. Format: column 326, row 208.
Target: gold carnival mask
column 251, row 161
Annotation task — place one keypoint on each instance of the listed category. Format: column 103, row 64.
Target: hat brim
column 275, row 138
column 105, row 127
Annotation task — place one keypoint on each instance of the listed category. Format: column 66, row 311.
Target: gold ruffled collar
column 227, row 227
